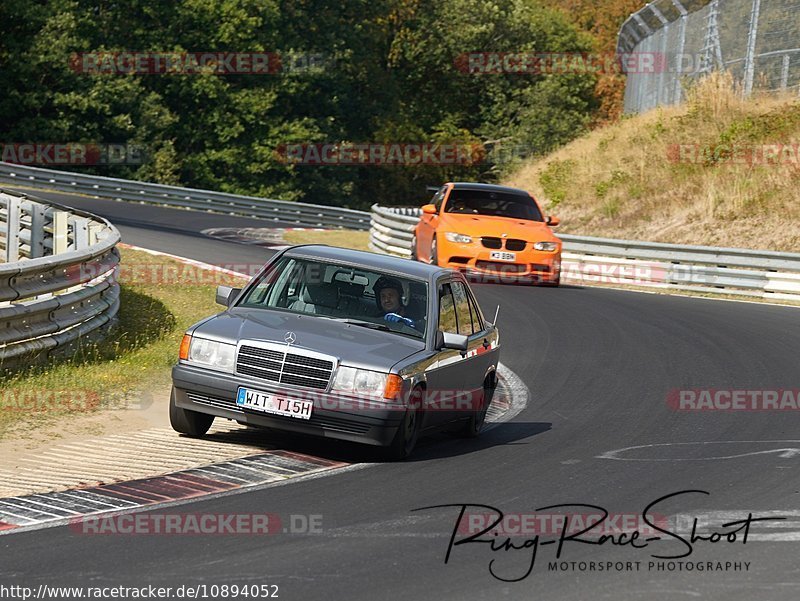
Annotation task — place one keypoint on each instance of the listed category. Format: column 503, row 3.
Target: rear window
column 495, row 204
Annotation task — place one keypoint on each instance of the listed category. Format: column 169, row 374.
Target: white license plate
column 273, row 403
column 503, row 256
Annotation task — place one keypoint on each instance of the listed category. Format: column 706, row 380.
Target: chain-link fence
column 670, row 42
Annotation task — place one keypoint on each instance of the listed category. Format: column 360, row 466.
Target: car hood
column 483, row 225
column 353, row 345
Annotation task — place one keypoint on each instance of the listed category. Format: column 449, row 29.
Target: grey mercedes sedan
column 341, row 344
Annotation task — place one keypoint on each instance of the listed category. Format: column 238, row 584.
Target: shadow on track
column 433, row 446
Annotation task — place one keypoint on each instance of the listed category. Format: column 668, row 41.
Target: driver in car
column 388, row 296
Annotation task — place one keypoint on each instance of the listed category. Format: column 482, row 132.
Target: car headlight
column 548, row 246
column 217, row 355
column 364, row 382
column 458, row 238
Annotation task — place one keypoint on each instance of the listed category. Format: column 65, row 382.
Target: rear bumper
column 214, row 393
column 476, row 261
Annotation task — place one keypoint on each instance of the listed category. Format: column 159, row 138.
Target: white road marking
column 782, row 452
column 517, row 395
column 759, row 531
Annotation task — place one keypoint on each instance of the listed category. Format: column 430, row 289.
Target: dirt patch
column 22, row 440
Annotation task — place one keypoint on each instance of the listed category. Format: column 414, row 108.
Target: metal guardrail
column 392, row 229
column 57, row 281
column 735, row 271
column 185, row 198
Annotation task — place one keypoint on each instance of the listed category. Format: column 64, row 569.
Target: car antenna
column 496, row 313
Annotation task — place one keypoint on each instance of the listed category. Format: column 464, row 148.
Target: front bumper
column 476, row 261
column 207, row 391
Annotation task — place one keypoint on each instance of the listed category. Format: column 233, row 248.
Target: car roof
column 488, row 188
column 378, row 262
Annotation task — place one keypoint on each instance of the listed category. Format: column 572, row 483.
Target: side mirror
column 448, row 340
column 429, row 209
column 226, row 295
column 552, row 220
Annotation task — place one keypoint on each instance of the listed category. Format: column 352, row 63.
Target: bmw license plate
column 273, row 403
column 503, row 256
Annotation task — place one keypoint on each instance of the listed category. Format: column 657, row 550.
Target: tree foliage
column 602, row 19
column 390, row 74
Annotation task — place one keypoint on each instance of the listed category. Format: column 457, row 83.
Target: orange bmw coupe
column 490, row 232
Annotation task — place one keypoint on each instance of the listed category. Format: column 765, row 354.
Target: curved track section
column 603, row 367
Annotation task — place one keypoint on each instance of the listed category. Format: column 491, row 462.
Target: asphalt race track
column 600, row 365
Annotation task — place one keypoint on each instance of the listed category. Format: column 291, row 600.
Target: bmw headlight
column 361, row 382
column 458, row 238
column 547, row 246
column 217, row 355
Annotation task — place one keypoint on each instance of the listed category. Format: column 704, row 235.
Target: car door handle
column 486, row 343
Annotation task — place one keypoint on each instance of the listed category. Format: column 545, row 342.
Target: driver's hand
column 395, row 318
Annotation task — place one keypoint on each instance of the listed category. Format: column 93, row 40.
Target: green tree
column 390, row 75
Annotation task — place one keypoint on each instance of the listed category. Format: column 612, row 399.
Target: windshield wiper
column 364, row 324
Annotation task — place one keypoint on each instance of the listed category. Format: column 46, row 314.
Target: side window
column 271, row 283
column 462, row 309
column 447, row 311
column 287, row 285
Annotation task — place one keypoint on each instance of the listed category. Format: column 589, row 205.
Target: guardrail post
column 60, row 229
column 94, row 232
column 750, row 59
column 678, row 93
column 785, row 71
column 37, row 230
column 81, row 233
column 12, row 230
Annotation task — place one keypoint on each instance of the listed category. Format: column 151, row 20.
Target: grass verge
column 135, row 358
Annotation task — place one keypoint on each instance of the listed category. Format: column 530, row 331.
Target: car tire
column 434, row 253
column 414, row 255
column 190, row 423
column 472, row 427
column 405, row 439
column 553, row 284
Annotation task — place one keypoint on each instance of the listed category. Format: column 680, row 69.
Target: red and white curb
column 20, row 513
column 185, row 261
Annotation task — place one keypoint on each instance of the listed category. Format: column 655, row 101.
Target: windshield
column 495, row 204
column 348, row 293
